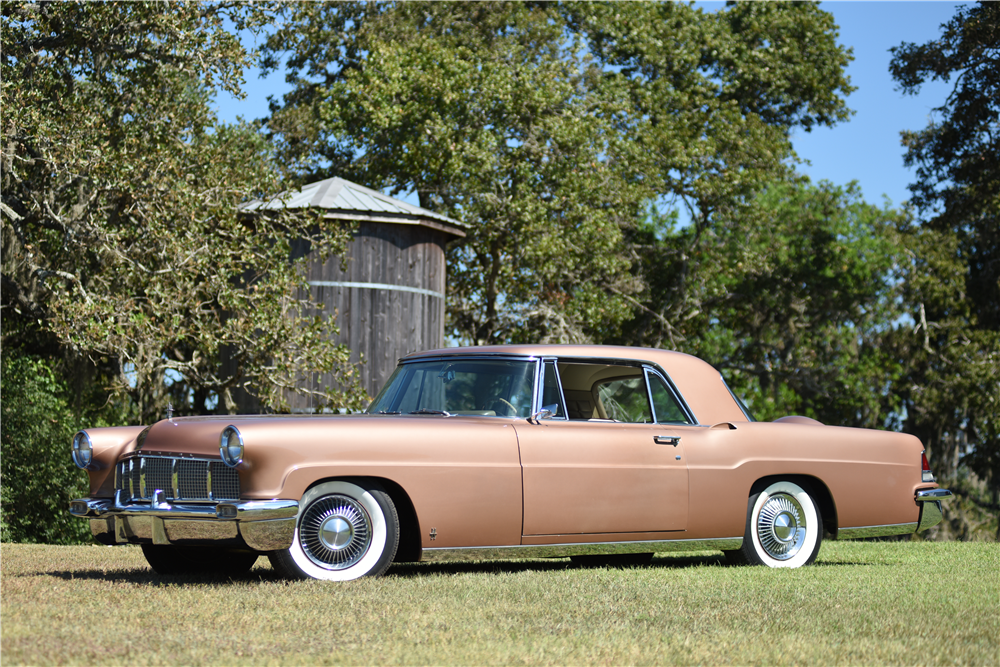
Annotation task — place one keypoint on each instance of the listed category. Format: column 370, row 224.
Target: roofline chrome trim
column 414, row 358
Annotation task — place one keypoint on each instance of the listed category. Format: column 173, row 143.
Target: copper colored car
column 502, row 452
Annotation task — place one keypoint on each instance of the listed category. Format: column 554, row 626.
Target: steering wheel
column 497, row 399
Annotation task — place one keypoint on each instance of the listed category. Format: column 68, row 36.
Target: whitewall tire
column 784, row 527
column 345, row 530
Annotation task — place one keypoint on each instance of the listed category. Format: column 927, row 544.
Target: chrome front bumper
column 261, row 525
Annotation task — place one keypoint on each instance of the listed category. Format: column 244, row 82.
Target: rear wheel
column 171, row 559
column 784, row 528
column 345, row 530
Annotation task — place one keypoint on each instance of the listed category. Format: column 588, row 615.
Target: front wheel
column 345, row 530
column 784, row 528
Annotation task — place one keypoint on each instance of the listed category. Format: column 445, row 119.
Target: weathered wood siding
column 395, row 304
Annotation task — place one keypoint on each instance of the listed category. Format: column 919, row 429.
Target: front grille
column 138, row 477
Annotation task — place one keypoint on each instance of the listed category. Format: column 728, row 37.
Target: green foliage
column 122, row 236
column 38, row 477
column 792, row 300
column 957, row 155
column 713, row 97
column 951, row 389
column 545, row 127
column 485, row 110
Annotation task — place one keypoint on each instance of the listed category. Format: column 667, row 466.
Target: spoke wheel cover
column 335, row 532
column 781, row 526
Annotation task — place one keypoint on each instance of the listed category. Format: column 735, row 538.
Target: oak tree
column 123, row 241
column 546, row 127
column 952, row 388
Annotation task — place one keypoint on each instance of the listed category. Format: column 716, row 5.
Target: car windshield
column 485, row 387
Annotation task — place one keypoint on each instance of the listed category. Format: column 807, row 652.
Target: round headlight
column 83, row 450
column 231, row 446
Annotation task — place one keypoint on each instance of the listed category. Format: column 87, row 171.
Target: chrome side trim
column 439, row 555
column 860, row 532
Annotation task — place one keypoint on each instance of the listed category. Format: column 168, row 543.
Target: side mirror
column 547, row 412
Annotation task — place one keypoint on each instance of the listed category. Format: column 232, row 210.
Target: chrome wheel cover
column 781, row 526
column 335, row 532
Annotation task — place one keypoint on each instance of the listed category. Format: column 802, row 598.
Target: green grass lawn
column 861, row 603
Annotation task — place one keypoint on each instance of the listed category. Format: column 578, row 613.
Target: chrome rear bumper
column 929, row 501
column 261, row 525
column 930, row 506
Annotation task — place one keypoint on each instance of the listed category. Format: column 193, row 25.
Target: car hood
column 200, row 436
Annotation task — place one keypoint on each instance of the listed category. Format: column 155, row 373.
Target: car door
column 600, row 474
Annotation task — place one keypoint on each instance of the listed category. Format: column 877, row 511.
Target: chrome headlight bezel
column 83, row 450
column 231, row 446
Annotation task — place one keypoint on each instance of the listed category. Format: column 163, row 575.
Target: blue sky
column 866, row 148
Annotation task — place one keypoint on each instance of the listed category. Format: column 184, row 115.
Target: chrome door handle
column 671, row 440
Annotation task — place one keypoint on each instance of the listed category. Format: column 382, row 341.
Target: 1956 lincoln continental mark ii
column 518, row 451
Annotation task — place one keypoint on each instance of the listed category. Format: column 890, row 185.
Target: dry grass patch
column 862, row 603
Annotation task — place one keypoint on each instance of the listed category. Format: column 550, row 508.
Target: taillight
column 925, row 469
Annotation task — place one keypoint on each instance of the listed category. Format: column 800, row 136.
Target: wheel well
column 409, row 547
column 815, row 487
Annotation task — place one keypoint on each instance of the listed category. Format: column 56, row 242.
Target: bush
column 37, row 475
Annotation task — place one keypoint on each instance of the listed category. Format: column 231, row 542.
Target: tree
column 38, row 477
column 952, row 396
column 795, row 300
column 545, row 127
column 958, row 154
column 713, row 100
column 484, row 110
column 123, row 240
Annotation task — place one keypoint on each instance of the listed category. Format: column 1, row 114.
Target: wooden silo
column 390, row 299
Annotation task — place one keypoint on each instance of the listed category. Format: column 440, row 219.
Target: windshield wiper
column 426, row 411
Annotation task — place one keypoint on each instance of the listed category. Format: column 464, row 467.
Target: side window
column 551, row 396
column 624, row 399
column 665, row 406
